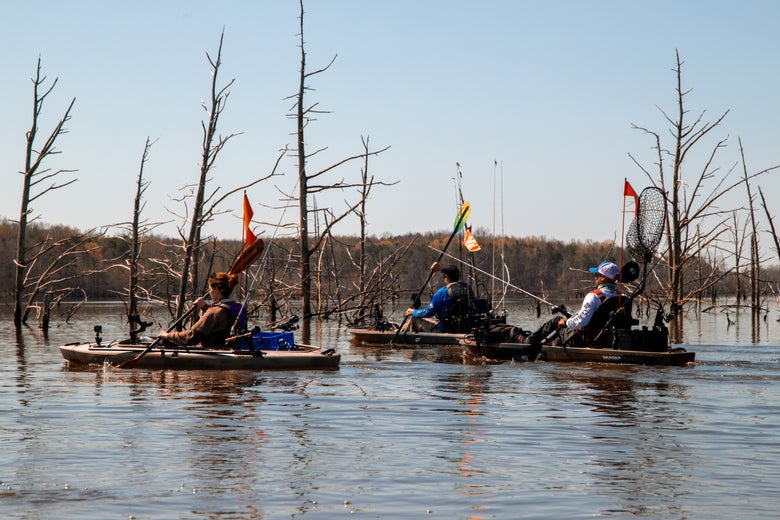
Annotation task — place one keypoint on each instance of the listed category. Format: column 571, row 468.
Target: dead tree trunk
column 755, row 299
column 33, row 175
column 303, row 192
column 775, row 238
column 212, row 145
column 695, row 222
column 739, row 243
column 309, row 242
column 367, row 183
column 135, row 241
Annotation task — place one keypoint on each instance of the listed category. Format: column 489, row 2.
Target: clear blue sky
column 548, row 90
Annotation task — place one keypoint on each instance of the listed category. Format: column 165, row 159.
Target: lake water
column 393, row 434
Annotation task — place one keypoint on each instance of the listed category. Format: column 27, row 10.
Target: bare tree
column 773, row 231
column 311, row 184
column 38, row 181
column 136, row 234
column 739, row 234
column 212, row 146
column 137, row 230
column 696, row 220
column 205, row 204
column 51, row 268
column 755, row 260
column 367, row 182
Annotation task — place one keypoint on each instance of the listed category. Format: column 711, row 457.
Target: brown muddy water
column 393, row 434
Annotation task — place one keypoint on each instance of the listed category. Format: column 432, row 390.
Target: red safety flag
column 628, row 191
column 470, row 242
column 249, row 237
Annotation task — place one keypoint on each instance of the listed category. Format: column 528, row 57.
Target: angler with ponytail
column 218, row 318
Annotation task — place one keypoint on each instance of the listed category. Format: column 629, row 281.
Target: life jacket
column 600, row 294
column 460, row 310
column 608, row 308
column 237, row 323
column 238, row 317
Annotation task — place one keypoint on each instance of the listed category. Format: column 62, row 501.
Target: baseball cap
column 608, row 269
column 451, row 270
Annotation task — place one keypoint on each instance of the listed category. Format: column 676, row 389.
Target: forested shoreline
column 396, row 267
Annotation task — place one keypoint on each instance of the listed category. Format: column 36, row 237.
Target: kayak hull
column 565, row 354
column 370, row 337
column 303, row 357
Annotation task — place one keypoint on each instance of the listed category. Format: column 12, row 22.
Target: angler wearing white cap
column 579, row 324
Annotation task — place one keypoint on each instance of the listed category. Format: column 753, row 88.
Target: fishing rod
column 542, row 300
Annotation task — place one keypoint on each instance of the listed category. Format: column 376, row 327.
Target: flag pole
column 247, row 238
column 628, row 191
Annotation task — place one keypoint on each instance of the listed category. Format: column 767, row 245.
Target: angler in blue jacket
column 443, row 299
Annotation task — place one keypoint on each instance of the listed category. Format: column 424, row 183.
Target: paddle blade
column 463, row 215
column 130, row 363
column 247, row 257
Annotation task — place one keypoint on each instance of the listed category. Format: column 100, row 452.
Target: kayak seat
column 480, row 306
column 614, row 314
column 458, row 318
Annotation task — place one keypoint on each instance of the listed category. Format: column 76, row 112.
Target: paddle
column 460, row 221
column 247, row 257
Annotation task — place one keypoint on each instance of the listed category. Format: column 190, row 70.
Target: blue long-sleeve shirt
column 442, row 302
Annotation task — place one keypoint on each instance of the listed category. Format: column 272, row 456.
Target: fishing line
column 492, row 276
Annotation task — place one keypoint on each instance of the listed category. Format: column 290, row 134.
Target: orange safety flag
column 628, row 191
column 470, row 242
column 249, row 237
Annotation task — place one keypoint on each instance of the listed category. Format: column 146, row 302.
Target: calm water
column 394, row 434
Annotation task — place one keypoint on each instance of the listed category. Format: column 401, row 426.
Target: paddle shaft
column 461, row 217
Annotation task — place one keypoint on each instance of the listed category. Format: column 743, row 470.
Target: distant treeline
column 398, row 265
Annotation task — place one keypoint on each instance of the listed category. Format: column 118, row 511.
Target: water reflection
column 21, row 366
column 435, row 354
column 473, row 389
column 392, row 434
column 634, row 450
column 468, row 430
column 225, row 439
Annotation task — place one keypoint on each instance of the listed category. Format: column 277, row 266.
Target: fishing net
column 647, row 228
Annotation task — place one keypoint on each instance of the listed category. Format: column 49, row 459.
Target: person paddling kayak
column 444, row 301
column 218, row 317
